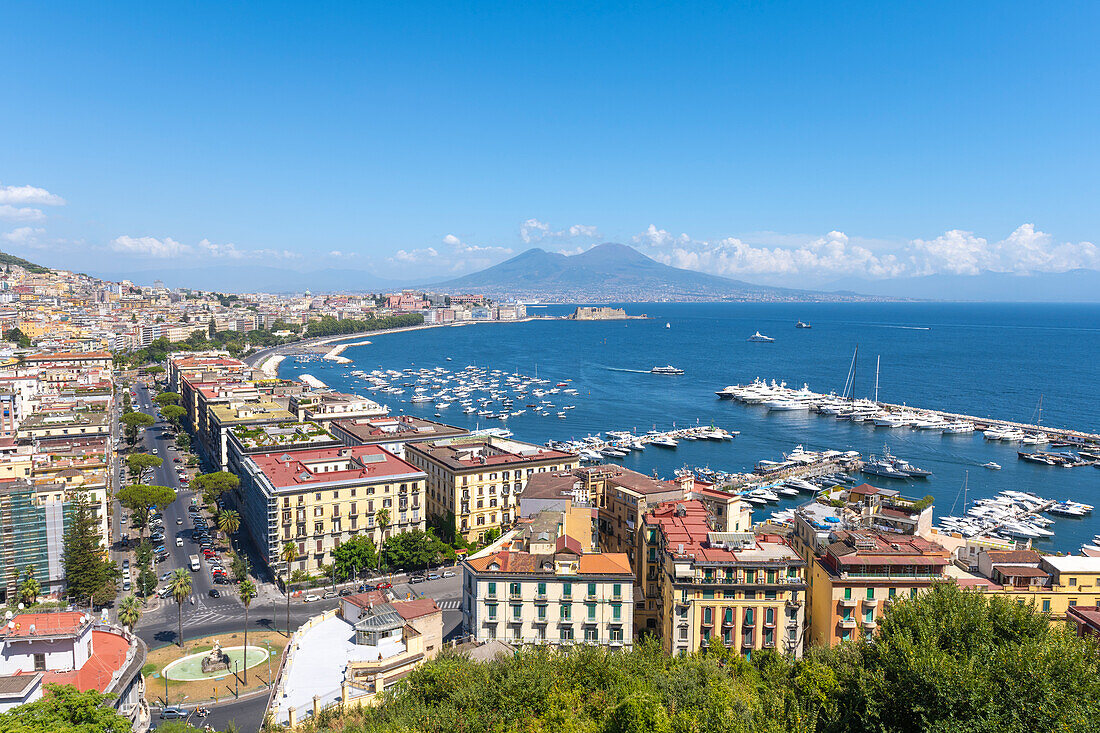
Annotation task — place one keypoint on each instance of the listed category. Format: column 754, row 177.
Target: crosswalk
column 449, row 605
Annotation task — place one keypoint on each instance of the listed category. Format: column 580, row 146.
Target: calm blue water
column 979, row 359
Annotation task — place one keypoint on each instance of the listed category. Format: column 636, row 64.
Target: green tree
column 213, row 485
column 174, row 414
column 29, row 588
column 639, row 713
column 167, row 398
column 134, row 421
column 355, row 555
column 18, row 338
column 229, row 521
column 140, row 498
column 88, row 572
column 414, row 549
column 129, row 611
column 138, row 462
column 247, row 592
column 64, row 708
column 288, row 554
column 180, row 583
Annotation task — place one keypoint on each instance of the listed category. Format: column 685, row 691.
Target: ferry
column 666, row 370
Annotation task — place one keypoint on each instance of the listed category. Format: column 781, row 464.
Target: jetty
column 875, row 413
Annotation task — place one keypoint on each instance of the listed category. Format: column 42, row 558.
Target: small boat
column 668, row 325
column 992, row 466
column 664, row 442
column 671, row 370
column 761, row 338
column 800, row 324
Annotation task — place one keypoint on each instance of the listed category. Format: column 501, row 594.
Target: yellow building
column 1052, row 583
column 476, row 480
column 857, row 575
column 743, row 590
column 318, row 498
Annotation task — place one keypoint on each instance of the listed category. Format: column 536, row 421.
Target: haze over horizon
column 780, row 145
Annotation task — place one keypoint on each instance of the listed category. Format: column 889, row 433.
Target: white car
column 179, row 542
column 311, row 598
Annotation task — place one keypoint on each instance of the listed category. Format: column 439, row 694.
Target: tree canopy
column 139, row 498
column 354, row 556
column 138, row 462
column 134, row 421
column 213, row 485
column 167, row 398
column 414, row 549
column 64, row 708
column 949, row 660
column 18, row 338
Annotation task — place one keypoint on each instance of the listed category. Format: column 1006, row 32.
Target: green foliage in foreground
column 947, row 661
column 329, row 326
column 64, row 708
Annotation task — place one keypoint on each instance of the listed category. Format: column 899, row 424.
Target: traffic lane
column 246, row 714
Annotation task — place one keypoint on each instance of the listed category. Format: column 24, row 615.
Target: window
column 492, row 589
column 39, row 662
column 869, row 615
column 870, row 594
column 750, row 576
column 708, row 615
column 591, row 590
column 517, row 612
column 492, row 611
column 891, row 593
column 566, row 612
column 912, row 592
column 769, row 615
column 616, row 611
column 566, row 590
column 542, row 613
column 591, row 611
column 590, row 633
column 847, row 594
column 514, row 589
column 566, row 633
column 542, row 589
column 1072, row 582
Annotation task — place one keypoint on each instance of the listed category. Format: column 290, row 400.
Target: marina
column 620, row 443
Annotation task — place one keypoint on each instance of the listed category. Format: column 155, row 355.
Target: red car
column 384, row 586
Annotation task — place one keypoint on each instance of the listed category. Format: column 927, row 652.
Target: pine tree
column 87, row 571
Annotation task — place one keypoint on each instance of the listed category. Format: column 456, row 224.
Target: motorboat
column 992, row 466
column 800, row 324
column 760, row 337
column 664, row 442
column 785, row 405
column 670, row 370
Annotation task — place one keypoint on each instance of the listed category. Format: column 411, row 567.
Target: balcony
column 869, row 625
column 848, row 602
column 869, row 602
column 794, row 603
column 847, row 623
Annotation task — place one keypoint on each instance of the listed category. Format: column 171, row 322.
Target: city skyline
column 780, row 146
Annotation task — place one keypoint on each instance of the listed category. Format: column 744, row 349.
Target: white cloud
column 455, row 256
column 339, row 254
column 166, row 248
column 150, row 247
column 23, row 195
column 20, row 213
column 24, row 236
column 1026, row 250
column 534, row 230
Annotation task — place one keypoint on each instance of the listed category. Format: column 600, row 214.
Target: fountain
column 216, row 660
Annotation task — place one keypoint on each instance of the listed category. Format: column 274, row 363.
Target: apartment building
column 1053, row 584
column 477, row 480
column 549, row 592
column 324, row 407
column 743, row 590
column 222, row 419
column 248, row 439
column 46, row 426
column 391, row 432
column 320, row 497
column 858, row 573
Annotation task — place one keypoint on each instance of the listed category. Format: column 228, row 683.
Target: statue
column 216, row 660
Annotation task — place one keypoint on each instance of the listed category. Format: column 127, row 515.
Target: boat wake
column 632, row 371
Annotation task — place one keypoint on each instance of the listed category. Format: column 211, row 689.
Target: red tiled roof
column 1020, row 571
column 45, row 624
column 108, row 656
column 291, row 467
column 415, row 608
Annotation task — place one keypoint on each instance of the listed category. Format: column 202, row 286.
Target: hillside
column 613, row 272
column 7, row 259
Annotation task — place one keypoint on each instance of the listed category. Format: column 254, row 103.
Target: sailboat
column 668, row 325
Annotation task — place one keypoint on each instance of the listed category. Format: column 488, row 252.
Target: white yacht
column 760, row 337
column 664, row 442
column 786, row 405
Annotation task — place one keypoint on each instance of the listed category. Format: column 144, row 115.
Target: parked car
column 165, row 576
column 179, row 520
column 434, row 576
column 179, row 542
column 177, row 459
column 346, row 591
column 416, row 579
column 366, row 587
column 448, row 573
column 383, row 586
column 173, row 712
column 329, row 594
column 311, row 598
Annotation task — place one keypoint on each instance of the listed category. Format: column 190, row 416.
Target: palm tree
column 248, row 592
column 129, row 611
column 290, row 551
column 229, row 521
column 30, row 587
column 181, row 589
column 382, row 519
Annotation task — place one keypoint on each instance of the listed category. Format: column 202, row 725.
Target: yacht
column 785, row 405
column 664, row 442
column 670, row 370
column 958, row 428
column 760, row 337
column 884, row 468
column 992, row 466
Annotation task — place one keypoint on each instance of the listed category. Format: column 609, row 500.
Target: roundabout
column 216, row 663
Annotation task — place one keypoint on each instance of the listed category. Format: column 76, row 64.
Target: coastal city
column 162, row 485
column 540, row 367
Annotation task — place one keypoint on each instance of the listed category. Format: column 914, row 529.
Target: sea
column 1009, row 361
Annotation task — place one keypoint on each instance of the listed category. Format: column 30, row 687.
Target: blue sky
column 770, row 141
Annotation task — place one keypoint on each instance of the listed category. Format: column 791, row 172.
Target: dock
column 592, row 448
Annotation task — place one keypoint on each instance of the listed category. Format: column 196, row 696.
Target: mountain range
column 614, row 272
